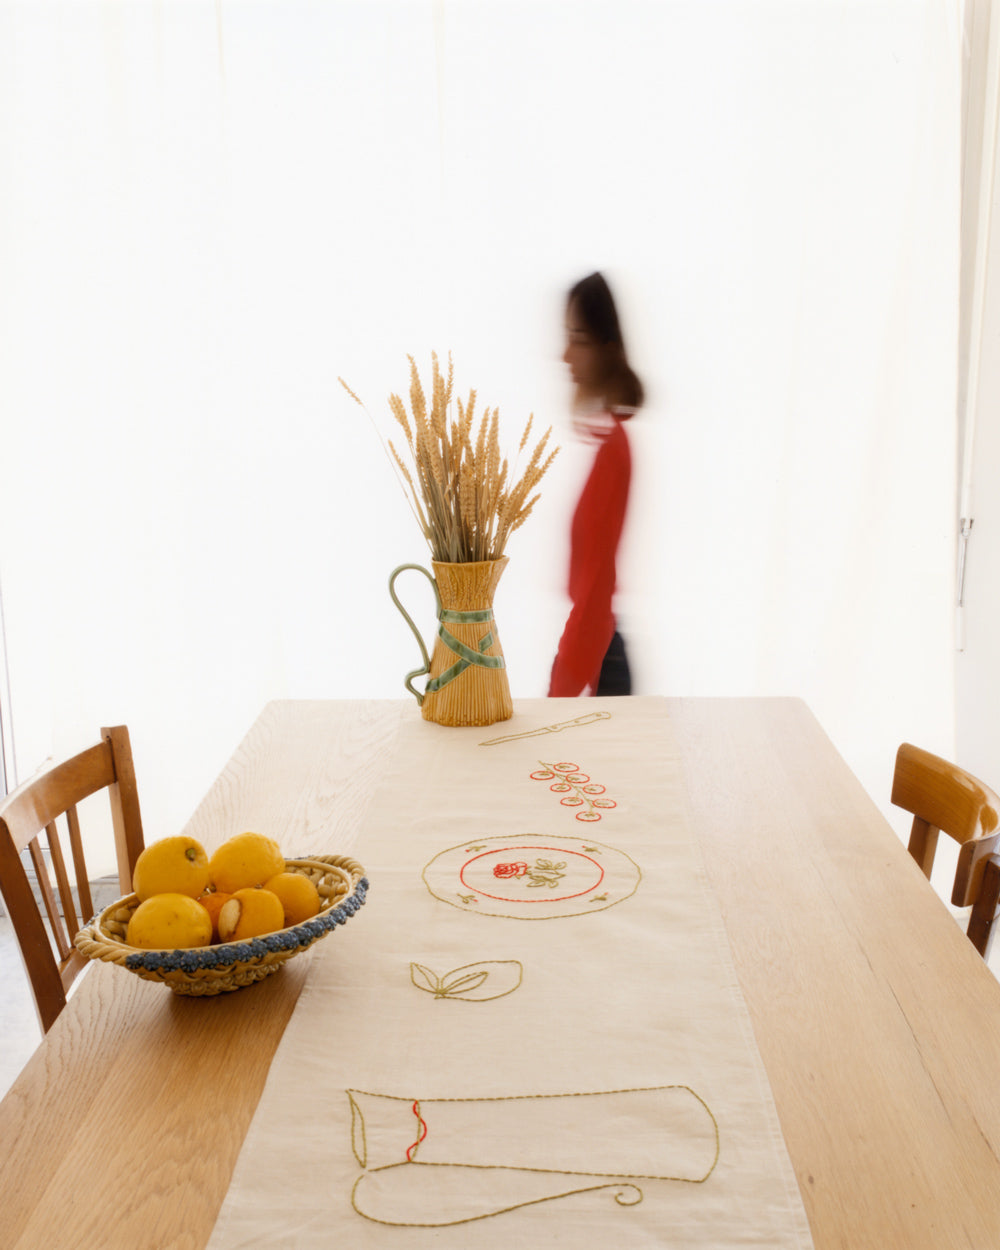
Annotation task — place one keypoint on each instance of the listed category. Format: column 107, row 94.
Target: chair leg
column 984, row 909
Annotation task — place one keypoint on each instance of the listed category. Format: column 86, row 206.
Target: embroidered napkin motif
column 441, row 1161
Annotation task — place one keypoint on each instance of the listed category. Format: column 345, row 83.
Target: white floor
column 19, row 1029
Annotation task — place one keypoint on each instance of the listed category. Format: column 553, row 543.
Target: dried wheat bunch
column 467, row 498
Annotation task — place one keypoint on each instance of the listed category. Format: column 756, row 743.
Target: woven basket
column 204, row 970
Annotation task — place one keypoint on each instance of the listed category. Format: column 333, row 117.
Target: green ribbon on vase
column 466, row 655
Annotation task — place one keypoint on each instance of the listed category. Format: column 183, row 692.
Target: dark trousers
column 615, row 677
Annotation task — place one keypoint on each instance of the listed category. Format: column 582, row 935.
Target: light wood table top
column 877, row 1022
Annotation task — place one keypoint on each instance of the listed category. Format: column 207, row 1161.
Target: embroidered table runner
column 533, row 1033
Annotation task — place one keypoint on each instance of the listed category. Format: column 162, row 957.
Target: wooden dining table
column 876, row 1021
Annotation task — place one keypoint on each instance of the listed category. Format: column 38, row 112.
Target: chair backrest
column 46, row 943
column 942, row 797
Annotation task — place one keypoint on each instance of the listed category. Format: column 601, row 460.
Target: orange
column 213, row 904
column 298, row 894
column 169, row 922
column 250, row 913
column 176, row 865
column 246, row 859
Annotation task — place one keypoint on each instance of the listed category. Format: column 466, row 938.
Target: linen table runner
column 533, row 1033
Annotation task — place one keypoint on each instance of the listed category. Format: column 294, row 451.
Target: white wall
column 978, row 660
column 211, row 212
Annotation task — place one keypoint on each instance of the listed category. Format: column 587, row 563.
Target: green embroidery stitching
column 468, row 982
column 545, row 872
column 627, row 1194
column 587, row 719
column 624, row 1188
column 358, row 1132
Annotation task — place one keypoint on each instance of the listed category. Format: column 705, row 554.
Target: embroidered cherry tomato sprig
column 576, row 787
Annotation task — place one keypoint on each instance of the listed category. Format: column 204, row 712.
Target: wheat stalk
column 460, row 487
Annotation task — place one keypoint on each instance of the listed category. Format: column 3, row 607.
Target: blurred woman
column 591, row 657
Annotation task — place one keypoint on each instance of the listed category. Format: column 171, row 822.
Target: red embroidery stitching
column 577, row 787
column 510, row 870
column 422, row 1134
column 545, row 872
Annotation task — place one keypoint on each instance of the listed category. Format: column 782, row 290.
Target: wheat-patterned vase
column 467, row 676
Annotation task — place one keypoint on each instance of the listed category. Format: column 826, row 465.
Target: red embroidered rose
column 510, row 870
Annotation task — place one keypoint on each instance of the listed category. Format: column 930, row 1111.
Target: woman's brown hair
column 592, row 302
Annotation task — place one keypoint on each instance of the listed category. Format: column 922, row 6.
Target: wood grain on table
column 124, row 1128
column 877, row 1021
column 878, row 1024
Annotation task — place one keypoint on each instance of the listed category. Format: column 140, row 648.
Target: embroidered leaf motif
column 474, row 983
column 462, row 984
column 424, row 979
column 545, row 872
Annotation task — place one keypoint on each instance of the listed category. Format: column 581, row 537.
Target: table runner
column 533, row 1031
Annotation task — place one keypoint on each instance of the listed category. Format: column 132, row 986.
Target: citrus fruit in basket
column 246, row 859
column 250, row 913
column 169, row 922
column 213, row 904
column 176, row 865
column 298, row 894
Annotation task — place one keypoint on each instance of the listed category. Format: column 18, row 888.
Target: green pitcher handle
column 417, row 672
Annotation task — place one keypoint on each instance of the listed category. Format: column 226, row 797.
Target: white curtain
column 978, row 661
column 209, row 211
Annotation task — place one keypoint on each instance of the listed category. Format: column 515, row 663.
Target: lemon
column 250, row 913
column 176, row 865
column 169, row 922
column 299, row 896
column 246, row 859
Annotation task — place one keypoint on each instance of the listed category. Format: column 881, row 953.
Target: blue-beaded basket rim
column 222, row 957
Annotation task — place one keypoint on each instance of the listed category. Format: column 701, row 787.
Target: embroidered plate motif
column 532, row 876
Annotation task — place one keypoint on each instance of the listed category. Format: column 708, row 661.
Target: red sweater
column 596, row 530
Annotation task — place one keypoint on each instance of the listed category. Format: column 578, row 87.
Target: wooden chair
column 942, row 797
column 52, row 962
